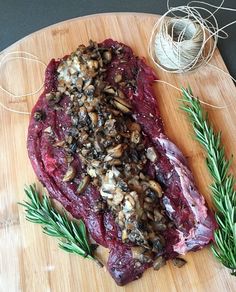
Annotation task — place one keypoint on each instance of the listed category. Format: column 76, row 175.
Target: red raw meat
column 193, row 222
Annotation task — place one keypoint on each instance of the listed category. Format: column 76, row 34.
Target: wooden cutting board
column 31, row 261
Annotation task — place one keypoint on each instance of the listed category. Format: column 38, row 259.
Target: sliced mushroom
column 120, row 94
column 70, row 174
column 48, row 130
column 118, row 78
column 99, row 206
column 107, row 195
column 118, row 197
column 89, row 90
column 151, row 154
column 87, row 82
column 137, row 264
column 83, row 111
column 134, row 127
column 108, row 158
column 117, row 151
column 144, row 217
column 109, row 201
column 53, row 97
column 72, row 70
column 148, row 206
column 93, row 64
column 91, row 171
column 148, row 200
column 79, row 83
column 69, row 158
column 39, row 115
column 158, row 226
column 50, row 96
column 107, row 56
column 61, row 89
column 137, row 251
column 83, row 136
column 95, row 163
column 159, row 262
column 123, row 185
column 155, row 187
column 121, row 215
column 178, row 262
column 150, row 215
column 157, row 245
column 109, row 90
column 84, row 151
column 59, row 143
column 83, row 184
column 124, row 235
column 157, row 215
column 122, row 108
column 135, row 185
column 99, row 147
column 93, row 117
column 69, row 139
column 115, row 162
column 128, row 207
column 130, row 199
column 110, row 128
column 135, row 137
column 123, row 102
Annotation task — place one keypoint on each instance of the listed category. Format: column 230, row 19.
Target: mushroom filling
column 111, row 147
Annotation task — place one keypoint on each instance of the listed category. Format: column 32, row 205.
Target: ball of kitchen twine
column 183, row 40
column 178, row 44
column 182, row 43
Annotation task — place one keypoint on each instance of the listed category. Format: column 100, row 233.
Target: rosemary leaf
column 72, row 235
column 222, row 187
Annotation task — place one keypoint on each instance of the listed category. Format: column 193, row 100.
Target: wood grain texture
column 31, row 261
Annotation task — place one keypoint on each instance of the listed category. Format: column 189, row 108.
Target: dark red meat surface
column 193, row 223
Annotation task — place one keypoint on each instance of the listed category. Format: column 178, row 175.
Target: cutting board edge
column 94, row 15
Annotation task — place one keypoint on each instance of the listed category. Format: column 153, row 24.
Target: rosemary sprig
column 222, row 188
column 72, row 236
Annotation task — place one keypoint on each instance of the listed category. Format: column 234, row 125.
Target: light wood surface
column 30, row 260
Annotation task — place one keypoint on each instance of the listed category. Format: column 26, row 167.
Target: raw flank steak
column 96, row 142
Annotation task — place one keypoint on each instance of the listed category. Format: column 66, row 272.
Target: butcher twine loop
column 14, row 56
column 182, row 39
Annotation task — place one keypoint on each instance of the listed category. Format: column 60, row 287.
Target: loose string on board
column 201, row 101
column 182, row 39
column 14, row 56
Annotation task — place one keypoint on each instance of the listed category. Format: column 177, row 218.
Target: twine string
column 14, row 56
